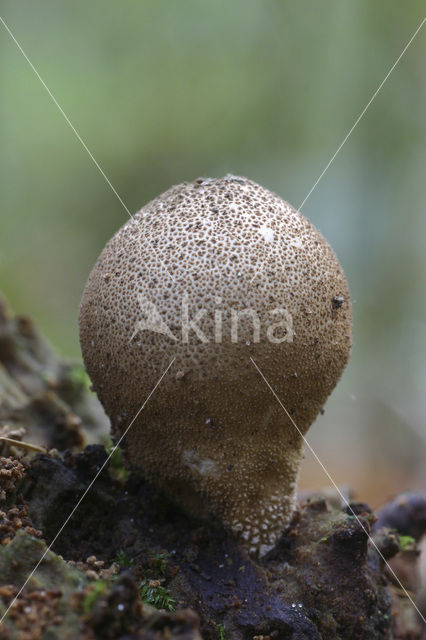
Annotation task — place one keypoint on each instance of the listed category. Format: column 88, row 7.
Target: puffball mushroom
column 215, row 272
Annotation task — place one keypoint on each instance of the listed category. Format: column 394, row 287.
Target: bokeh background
column 164, row 91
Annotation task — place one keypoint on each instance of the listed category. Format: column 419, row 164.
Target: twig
column 23, row 445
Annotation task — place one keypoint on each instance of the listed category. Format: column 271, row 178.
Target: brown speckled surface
column 213, row 429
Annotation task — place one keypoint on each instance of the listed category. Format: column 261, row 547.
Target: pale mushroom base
column 254, row 502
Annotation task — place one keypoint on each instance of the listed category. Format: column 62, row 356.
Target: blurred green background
column 164, row 91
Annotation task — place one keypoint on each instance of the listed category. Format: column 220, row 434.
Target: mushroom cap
column 217, row 247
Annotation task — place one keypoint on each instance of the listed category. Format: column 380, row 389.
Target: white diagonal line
column 79, row 138
column 84, row 495
column 362, row 113
column 357, row 121
column 344, row 499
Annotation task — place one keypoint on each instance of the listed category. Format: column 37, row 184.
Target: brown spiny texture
column 262, row 286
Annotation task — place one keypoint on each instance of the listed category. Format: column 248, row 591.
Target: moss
column 159, row 564
column 123, row 560
column 116, row 465
column 406, row 542
column 78, row 377
column 97, row 589
column 154, row 593
column 45, row 601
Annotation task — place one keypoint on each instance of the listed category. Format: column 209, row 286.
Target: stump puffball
column 218, row 274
